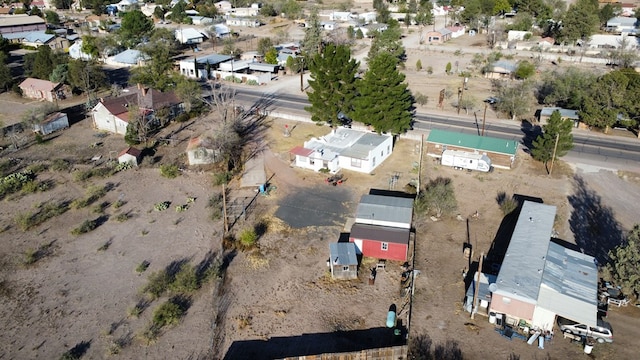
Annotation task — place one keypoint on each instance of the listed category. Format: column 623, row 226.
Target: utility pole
column 484, row 118
column 460, row 90
column 224, row 209
column 420, row 166
column 553, row 157
column 474, row 306
column 301, row 74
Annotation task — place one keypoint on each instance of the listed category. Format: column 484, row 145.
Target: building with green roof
column 501, row 152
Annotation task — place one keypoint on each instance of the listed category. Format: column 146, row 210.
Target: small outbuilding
column 200, row 151
column 52, row 123
column 546, row 112
column 38, row 89
column 130, row 155
column 387, row 211
column 343, row 261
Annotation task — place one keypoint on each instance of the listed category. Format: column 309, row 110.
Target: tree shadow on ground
column 531, row 133
column 501, row 241
column 313, row 344
column 593, row 224
column 78, row 350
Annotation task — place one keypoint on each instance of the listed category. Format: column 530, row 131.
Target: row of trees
column 565, row 24
column 380, row 98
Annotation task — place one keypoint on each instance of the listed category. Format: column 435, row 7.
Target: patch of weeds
column 60, row 165
column 247, row 239
column 122, row 217
column 100, row 208
column 142, row 267
column 161, row 206
column 105, row 246
column 85, row 227
column 157, row 284
column 14, row 182
column 171, row 312
column 215, row 204
column 507, row 204
column 92, row 195
column 222, row 178
column 46, row 211
column 185, row 280
column 101, row 172
column 244, row 321
column 118, row 204
column 32, row 256
column 37, row 168
column 144, row 232
column 182, row 208
column 138, row 308
column 169, row 171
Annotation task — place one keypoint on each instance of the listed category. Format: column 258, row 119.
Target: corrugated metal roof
column 380, row 233
column 343, row 253
column 385, row 208
column 20, row 20
column 129, row 56
column 360, row 149
column 212, row 59
column 475, row 142
column 569, row 285
column 30, row 36
column 521, row 271
column 565, row 113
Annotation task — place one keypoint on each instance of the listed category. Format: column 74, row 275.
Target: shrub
column 248, row 238
column 46, row 211
column 169, row 171
column 185, row 280
column 13, row 183
column 142, row 267
column 93, row 193
column 37, row 168
column 157, row 284
column 215, row 204
column 122, row 217
column 60, row 165
column 118, row 204
column 507, row 204
column 429, row 70
column 421, row 99
column 418, row 65
column 252, row 82
column 168, row 313
column 30, row 187
column 85, row 227
column 222, row 178
column 161, row 206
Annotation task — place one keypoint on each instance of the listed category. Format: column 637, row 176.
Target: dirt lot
column 277, row 300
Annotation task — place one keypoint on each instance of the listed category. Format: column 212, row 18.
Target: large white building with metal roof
column 540, row 279
column 344, row 148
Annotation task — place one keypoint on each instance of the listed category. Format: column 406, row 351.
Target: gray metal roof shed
column 343, row 254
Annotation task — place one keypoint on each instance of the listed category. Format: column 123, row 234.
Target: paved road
column 593, row 148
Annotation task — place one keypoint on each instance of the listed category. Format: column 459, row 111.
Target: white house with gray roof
column 380, row 210
column 344, row 148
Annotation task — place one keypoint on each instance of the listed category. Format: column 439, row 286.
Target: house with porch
column 501, row 69
column 202, row 67
column 112, row 114
column 501, row 152
column 565, row 114
column 540, row 279
column 345, row 149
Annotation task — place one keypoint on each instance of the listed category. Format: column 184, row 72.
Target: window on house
column 191, row 71
column 311, row 161
column 382, row 153
column 384, row 246
column 356, row 163
column 388, row 149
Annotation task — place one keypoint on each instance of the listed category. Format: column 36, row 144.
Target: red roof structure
column 301, row 151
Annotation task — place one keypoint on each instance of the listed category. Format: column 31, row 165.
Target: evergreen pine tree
column 384, row 100
column 542, row 149
column 312, row 42
column 333, row 83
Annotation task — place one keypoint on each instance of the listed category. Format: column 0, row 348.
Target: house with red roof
column 130, row 155
column 158, row 108
column 38, row 89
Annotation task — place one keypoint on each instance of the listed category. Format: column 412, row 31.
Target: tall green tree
column 606, row 101
column 333, row 78
column 157, row 73
column 384, row 100
column 438, row 198
column 543, row 146
column 264, row 45
column 87, row 77
column 90, row 46
column 515, row 98
column 312, row 42
column 134, row 27
column 6, row 80
column 42, row 63
column 271, row 57
column 624, row 264
column 189, row 92
column 566, row 88
column 580, row 21
column 609, row 11
column 388, row 41
column 52, row 17
column 525, row 70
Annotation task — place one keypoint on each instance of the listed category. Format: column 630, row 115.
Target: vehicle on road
column 602, row 333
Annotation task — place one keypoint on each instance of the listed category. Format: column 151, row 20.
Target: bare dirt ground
column 277, row 300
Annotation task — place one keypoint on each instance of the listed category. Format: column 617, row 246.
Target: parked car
column 491, row 100
column 602, row 333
